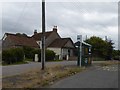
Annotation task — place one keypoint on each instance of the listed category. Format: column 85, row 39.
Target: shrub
column 18, row 54
column 117, row 57
column 6, row 56
column 36, row 51
column 50, row 55
column 12, row 55
column 28, row 52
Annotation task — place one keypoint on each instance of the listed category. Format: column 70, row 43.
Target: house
column 63, row 47
column 50, row 36
column 17, row 40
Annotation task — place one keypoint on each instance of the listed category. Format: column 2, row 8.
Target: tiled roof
column 38, row 36
column 21, row 40
column 60, row 42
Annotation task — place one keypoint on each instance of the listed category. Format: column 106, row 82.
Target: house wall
column 63, row 53
column 51, row 38
column 71, row 46
column 67, row 53
column 57, row 51
column 71, row 52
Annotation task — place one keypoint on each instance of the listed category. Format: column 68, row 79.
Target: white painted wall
column 64, row 51
column 61, row 52
column 57, row 51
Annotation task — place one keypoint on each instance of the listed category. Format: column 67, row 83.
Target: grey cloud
column 69, row 17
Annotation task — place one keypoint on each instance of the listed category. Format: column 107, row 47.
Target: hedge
column 28, row 52
column 13, row 55
column 50, row 55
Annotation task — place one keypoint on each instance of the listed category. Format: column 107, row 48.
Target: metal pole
column 79, row 38
column 80, row 50
column 78, row 62
column 43, row 35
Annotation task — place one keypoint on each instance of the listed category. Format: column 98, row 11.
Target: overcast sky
column 72, row 18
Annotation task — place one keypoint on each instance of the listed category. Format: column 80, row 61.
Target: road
column 18, row 69
column 95, row 77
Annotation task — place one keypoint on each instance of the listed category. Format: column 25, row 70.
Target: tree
column 100, row 48
column 109, row 49
column 116, row 54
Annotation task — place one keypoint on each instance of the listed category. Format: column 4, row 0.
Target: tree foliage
column 101, row 48
column 116, row 54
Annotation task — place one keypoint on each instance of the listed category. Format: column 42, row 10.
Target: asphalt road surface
column 18, row 69
column 95, row 77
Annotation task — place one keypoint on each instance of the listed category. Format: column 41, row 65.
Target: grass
column 107, row 63
column 40, row 78
column 30, row 60
column 98, row 59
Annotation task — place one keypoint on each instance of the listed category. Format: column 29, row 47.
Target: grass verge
column 40, row 78
column 107, row 63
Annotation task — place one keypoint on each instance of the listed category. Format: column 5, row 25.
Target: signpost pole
column 80, row 50
column 79, row 39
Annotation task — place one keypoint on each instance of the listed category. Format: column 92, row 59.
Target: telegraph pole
column 43, row 35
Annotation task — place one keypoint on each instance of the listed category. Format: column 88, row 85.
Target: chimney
column 55, row 28
column 35, row 31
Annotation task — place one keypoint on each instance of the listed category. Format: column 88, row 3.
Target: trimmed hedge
column 28, row 52
column 50, row 55
column 12, row 55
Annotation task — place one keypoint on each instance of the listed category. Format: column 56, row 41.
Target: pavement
column 94, row 77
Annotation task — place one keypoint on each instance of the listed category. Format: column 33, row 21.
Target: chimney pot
column 55, row 28
column 35, row 31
